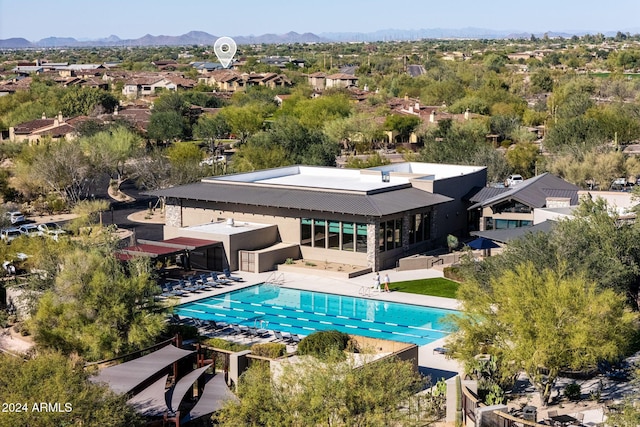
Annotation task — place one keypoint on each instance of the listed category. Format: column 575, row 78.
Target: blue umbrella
column 482, row 243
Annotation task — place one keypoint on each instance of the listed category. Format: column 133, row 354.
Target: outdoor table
column 565, row 419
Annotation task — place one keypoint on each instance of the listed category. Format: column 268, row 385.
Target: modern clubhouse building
column 369, row 217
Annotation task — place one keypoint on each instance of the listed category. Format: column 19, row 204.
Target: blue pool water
column 305, row 312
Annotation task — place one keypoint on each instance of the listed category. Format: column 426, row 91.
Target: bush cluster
column 272, row 350
column 324, row 343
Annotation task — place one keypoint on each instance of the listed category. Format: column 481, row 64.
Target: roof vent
column 386, row 177
column 230, row 222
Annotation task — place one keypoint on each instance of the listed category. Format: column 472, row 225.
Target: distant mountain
column 15, row 43
column 203, row 38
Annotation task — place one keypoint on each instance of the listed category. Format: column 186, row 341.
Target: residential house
column 35, row 130
column 504, row 208
column 317, row 80
column 341, row 80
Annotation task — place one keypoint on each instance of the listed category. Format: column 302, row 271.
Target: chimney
column 432, row 116
column 115, row 111
column 466, row 114
column 410, row 109
column 417, row 106
column 406, row 96
column 60, row 118
column 44, row 116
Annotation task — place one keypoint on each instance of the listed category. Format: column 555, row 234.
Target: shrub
column 453, row 273
column 272, row 350
column 572, row 391
column 289, row 261
column 324, row 343
column 225, row 345
column 309, row 264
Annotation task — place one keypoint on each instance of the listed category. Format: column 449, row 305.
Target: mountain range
column 203, row 38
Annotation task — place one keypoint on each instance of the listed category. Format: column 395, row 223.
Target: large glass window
column 381, row 237
column 305, row 232
column 361, row 238
column 390, row 234
column 320, row 234
column 419, row 227
column 348, row 236
column 501, row 224
column 398, row 233
column 334, row 235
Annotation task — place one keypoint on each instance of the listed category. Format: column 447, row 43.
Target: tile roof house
column 513, row 207
column 233, row 81
column 341, row 80
column 34, row 130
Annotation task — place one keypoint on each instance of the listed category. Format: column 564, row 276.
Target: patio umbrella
column 485, row 244
column 482, row 243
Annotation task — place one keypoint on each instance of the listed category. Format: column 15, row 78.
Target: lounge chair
column 206, row 283
column 239, row 329
column 227, row 274
column 219, row 280
column 295, row 339
column 278, row 336
column 217, row 326
column 441, row 350
column 259, row 333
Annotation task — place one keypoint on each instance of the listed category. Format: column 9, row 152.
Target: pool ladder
column 367, row 291
column 275, row 279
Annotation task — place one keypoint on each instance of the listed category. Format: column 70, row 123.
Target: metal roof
column 353, row 203
column 508, row 234
column 534, row 192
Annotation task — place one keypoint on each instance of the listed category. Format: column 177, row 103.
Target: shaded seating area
column 161, row 397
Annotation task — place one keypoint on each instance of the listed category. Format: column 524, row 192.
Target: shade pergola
column 215, row 395
column 125, row 377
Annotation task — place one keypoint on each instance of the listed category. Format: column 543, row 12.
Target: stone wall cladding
column 372, row 245
column 173, row 216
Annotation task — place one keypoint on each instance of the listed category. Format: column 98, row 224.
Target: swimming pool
column 304, row 312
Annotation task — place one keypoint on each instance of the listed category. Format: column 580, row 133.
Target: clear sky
column 82, row 19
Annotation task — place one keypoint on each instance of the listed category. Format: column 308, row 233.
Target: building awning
column 164, row 248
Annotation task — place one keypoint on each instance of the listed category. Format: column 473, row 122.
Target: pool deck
column 434, row 364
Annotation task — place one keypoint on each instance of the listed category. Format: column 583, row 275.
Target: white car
column 514, row 180
column 211, row 160
column 16, row 217
column 51, row 229
column 30, row 230
column 8, row 234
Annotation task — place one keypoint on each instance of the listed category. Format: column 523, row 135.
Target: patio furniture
column 219, row 280
column 227, row 274
column 295, row 339
column 278, row 336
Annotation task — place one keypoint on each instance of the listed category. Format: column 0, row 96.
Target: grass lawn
column 437, row 287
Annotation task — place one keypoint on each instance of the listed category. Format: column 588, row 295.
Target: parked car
column 30, row 230
column 8, row 234
column 51, row 229
column 16, row 217
column 514, row 180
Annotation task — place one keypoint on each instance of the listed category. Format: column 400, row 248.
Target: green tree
column 109, row 150
column 184, row 159
column 61, row 167
column 97, row 308
column 531, row 318
column 522, row 158
column 312, row 393
column 402, row 124
column 166, row 126
column 62, row 380
column 244, row 121
column 210, row 128
column 87, row 101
